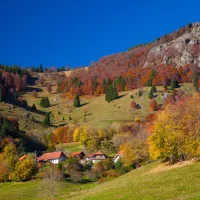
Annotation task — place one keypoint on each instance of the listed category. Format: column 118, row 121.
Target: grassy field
column 151, row 182
column 70, row 147
column 99, row 113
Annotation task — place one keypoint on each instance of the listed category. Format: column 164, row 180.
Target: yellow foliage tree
column 7, row 161
column 175, row 133
column 76, row 134
column 24, row 169
column 134, row 151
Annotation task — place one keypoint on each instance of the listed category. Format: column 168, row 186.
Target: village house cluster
column 58, row 157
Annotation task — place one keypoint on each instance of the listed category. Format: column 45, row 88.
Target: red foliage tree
column 153, row 105
column 133, row 105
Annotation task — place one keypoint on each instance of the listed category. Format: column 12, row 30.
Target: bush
column 76, row 176
column 105, row 165
column 111, row 173
column 118, row 165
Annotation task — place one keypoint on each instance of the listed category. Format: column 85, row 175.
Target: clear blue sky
column 75, row 32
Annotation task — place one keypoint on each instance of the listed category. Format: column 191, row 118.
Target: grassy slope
column 99, row 113
column 152, row 182
column 70, row 147
column 180, row 183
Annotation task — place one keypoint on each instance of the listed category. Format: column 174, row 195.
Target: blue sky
column 75, row 32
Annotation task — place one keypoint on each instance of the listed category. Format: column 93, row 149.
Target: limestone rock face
column 178, row 52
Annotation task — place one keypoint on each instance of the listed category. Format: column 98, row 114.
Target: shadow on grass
column 83, row 181
column 84, row 103
column 52, row 105
column 27, row 108
column 120, row 96
column 29, row 90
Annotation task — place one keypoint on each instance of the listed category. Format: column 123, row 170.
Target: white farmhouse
column 53, row 157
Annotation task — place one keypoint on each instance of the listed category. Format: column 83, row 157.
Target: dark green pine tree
column 154, row 88
column 6, row 128
column 140, row 93
column 165, row 87
column 1, row 95
column 150, row 94
column 45, row 102
column 195, row 83
column 108, row 94
column 41, row 68
column 77, row 101
column 33, row 107
column 21, row 150
column 149, row 83
column 114, row 92
column 174, row 84
column 47, row 120
column 111, row 93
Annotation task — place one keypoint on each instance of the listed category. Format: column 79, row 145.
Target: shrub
column 105, row 165
column 111, row 173
column 118, row 165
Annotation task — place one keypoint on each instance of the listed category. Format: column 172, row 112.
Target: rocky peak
column 179, row 52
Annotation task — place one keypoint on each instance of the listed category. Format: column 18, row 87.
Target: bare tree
column 51, row 183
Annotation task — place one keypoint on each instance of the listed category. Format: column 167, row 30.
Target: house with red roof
column 23, row 157
column 53, row 157
column 80, row 155
column 96, row 157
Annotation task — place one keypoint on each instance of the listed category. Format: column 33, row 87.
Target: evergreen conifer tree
column 77, row 101
column 174, row 84
column 165, row 87
column 114, row 92
column 150, row 94
column 195, row 83
column 47, row 120
column 41, row 68
column 140, row 93
column 6, row 128
column 33, row 107
column 154, row 88
column 45, row 102
column 20, row 150
column 1, row 95
column 149, row 82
